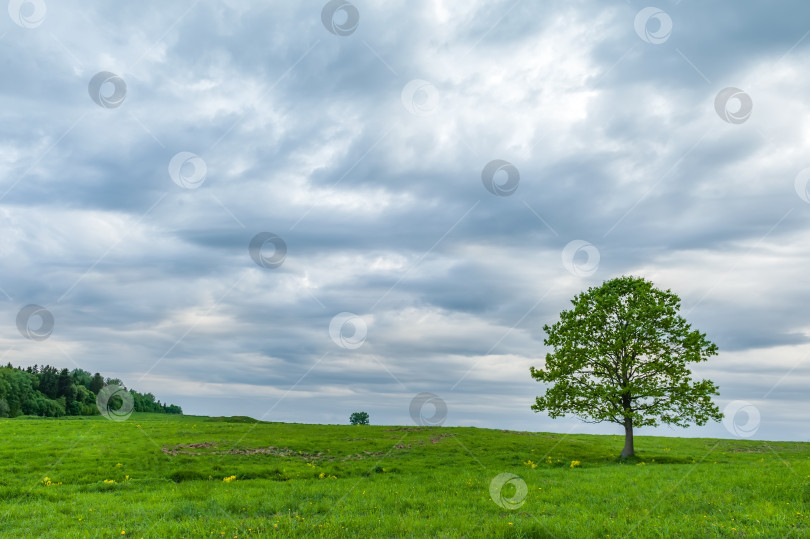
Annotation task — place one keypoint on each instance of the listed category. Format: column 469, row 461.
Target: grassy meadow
column 155, row 475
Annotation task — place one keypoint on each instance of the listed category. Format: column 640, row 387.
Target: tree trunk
column 628, row 450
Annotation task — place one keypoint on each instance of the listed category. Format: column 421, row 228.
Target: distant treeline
column 48, row 391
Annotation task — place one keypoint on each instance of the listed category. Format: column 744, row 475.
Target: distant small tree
column 359, row 418
column 622, row 355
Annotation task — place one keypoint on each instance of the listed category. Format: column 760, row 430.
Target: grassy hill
column 188, row 476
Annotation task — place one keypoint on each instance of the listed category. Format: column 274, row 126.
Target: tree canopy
column 621, row 355
column 359, row 418
column 48, row 391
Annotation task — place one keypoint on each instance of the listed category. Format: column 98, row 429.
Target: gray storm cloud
column 448, row 174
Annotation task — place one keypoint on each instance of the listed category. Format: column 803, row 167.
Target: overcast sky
column 298, row 210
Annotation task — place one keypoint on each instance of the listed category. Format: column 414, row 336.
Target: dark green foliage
column 96, row 383
column 48, row 382
column 359, row 418
column 48, row 392
column 145, row 402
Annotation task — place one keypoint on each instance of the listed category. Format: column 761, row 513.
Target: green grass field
column 188, row 476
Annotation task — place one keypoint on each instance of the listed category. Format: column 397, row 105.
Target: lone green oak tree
column 621, row 355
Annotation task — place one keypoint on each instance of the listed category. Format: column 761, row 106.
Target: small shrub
column 359, row 418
